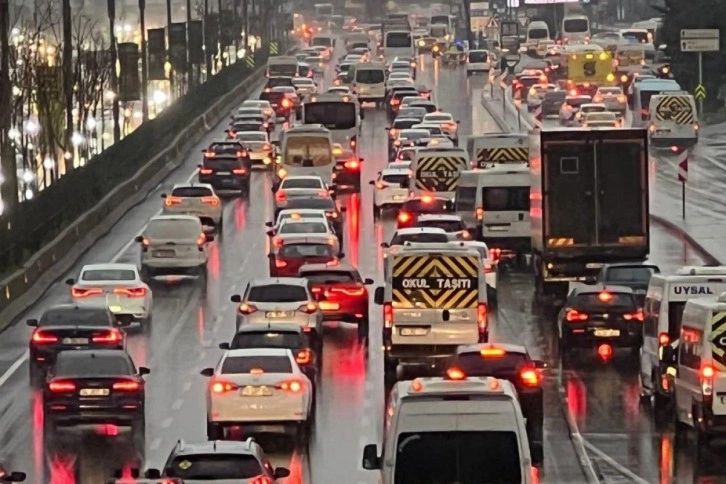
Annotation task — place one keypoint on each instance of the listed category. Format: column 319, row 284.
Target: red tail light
column 388, row 315
column 293, row 386
column 277, row 242
column 261, row 480
column 280, row 196
column 286, row 103
column 266, row 147
column 172, row 201
column 395, row 102
column 280, row 264
column 622, row 99
column 707, row 372
column 664, row 339
column 574, row 316
column 112, row 336
column 639, row 315
column 404, row 217
column 131, row 291
column 209, row 154
column 349, row 292
column 352, row 165
column 482, row 317
column 308, row 308
column 42, row 338
column 241, row 154
column 205, row 171
column 221, row 386
column 605, row 351
column 245, row 308
column 213, row 201
column 303, row 357
column 86, row 292
column 597, row 99
column 239, row 171
column 127, row 386
column 62, row 386
column 530, row 377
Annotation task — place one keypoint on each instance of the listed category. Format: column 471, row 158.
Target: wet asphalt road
column 190, row 321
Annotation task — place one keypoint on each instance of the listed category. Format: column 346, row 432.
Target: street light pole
column 8, row 187
column 111, row 5
column 207, row 57
column 144, row 63
column 68, row 78
column 190, row 72
column 168, row 49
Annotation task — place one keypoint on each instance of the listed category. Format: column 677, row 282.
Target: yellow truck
column 591, row 67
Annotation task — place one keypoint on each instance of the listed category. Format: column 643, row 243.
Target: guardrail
column 171, row 135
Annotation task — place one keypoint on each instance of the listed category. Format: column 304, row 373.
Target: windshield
column 537, row 34
column 282, row 293
column 501, row 366
column 480, row 457
column 268, row 339
column 214, row 467
column 322, row 41
column 329, row 277
column 332, row 115
column 629, row 275
column 439, row 19
column 398, row 40
column 76, row 316
column 245, row 364
column 303, row 228
column 639, row 37
column 401, row 180
column 427, row 238
column 438, row 31
column 298, row 251
column 307, row 151
column 576, row 25
column 478, row 56
column 591, row 302
column 445, row 225
column 284, row 70
column 404, row 123
column 500, row 199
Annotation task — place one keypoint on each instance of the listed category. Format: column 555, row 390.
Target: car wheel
column 302, row 435
column 146, row 322
column 202, row 271
column 50, row 428
column 215, row 431
column 146, row 274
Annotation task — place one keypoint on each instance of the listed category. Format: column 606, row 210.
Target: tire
column 376, row 212
column 50, row 428
column 202, row 271
column 302, row 435
column 146, row 323
column 245, row 190
column 215, row 431
column 36, row 374
column 363, row 330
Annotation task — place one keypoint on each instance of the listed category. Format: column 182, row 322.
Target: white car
column 317, row 63
column 174, row 244
column 449, row 223
column 197, row 199
column 260, row 390
column 297, row 214
column 323, row 51
column 419, row 235
column 571, row 107
column 491, row 269
column 264, row 105
column 478, row 60
column 613, row 99
column 586, row 109
column 401, row 76
column 304, row 227
column 300, row 186
column 601, row 120
column 536, row 94
column 254, row 111
column 305, row 86
column 116, row 286
column 258, row 146
column 446, row 122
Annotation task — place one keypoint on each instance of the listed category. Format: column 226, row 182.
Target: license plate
column 223, row 173
column 75, row 341
column 399, row 197
column 164, row 253
column 94, row 392
column 594, row 265
column 413, row 331
column 261, row 391
column 279, row 314
column 329, row 306
column 607, row 333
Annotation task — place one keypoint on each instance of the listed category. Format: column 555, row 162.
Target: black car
column 346, row 172
column 513, row 363
column 278, row 335
column 415, row 206
column 636, row 276
column 95, row 387
column 71, row 327
column 335, row 214
column 601, row 314
column 226, row 166
column 251, row 119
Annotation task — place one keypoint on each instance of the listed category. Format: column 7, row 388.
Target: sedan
column 198, row 199
column 305, row 86
column 260, row 150
column 613, row 99
column 290, row 251
column 226, row 166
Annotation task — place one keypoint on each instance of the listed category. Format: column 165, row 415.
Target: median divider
column 24, row 287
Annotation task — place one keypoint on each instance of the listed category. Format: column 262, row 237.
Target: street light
column 32, row 127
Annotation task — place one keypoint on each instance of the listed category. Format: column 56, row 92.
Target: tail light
column 574, row 316
column 393, row 132
column 404, row 217
column 126, row 386
column 488, row 268
column 352, row 165
column 112, row 336
column 638, row 315
column 605, row 296
column 277, row 242
column 495, row 254
column 349, row 292
column 293, row 386
column 42, row 338
column 303, row 357
column 213, row 201
column 309, row 307
column 266, row 147
column 530, row 377
column 331, row 214
column 241, row 154
column 597, row 99
column 86, row 292
column 201, row 240
column 62, row 386
column 622, row 99
column 172, row 201
column 481, row 317
column 281, row 196
column 245, row 308
column 209, row 154
column 239, row 171
column 707, row 374
column 222, row 386
column 623, row 78
column 280, row 264
column 261, row 480
column 664, row 339
column 286, row 103
column 205, row 171
column 605, row 351
column 395, row 102
column 388, row 315
column 480, row 213
column 131, row 291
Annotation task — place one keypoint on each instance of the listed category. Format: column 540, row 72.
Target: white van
column 478, row 60
column 643, row 91
column 398, row 43
column 452, row 429
column 673, row 120
column 575, row 29
column 700, row 380
column 665, row 299
column 436, row 171
column 537, row 31
column 440, row 32
column 369, row 82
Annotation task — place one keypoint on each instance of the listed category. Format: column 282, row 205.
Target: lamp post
column 144, row 64
column 9, row 172
column 114, row 75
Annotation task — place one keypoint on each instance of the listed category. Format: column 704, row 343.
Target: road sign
column 683, row 169
column 250, row 61
column 700, row 92
column 699, row 40
column 699, row 34
column 273, row 48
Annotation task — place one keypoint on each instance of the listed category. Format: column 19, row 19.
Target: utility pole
column 221, row 59
column 144, row 63
column 68, row 79
column 207, row 57
column 9, row 172
column 190, row 71
column 168, row 48
column 111, row 5
column 246, row 28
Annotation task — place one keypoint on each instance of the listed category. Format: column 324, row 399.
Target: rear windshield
column 214, row 467
column 628, row 275
column 402, row 94
column 287, row 70
column 370, row 76
column 192, row 192
column 404, row 123
column 401, row 180
column 475, row 364
column 538, row 34
column 478, row 56
column 430, row 108
column 268, row 364
column 593, row 301
column 100, row 365
column 223, row 164
column 500, row 199
column 610, row 90
column 412, row 112
column 301, row 183
column 398, row 39
column 438, row 31
column 577, row 101
column 294, row 251
column 279, row 81
column 594, row 109
column 445, row 225
column 303, row 228
column 323, row 41
column 173, row 228
column 76, row 316
column 313, row 203
column 268, row 339
column 330, row 277
column 225, row 148
column 465, row 198
column 576, row 25
column 277, row 293
column 457, row 457
column 400, row 239
column 419, row 206
column 260, row 137
column 108, row 275
column 528, row 82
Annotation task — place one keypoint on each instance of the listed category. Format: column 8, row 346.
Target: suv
column 219, row 461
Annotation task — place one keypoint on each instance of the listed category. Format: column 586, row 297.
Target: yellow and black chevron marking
column 675, row 108
column 488, row 156
column 718, row 340
column 439, row 173
column 435, row 281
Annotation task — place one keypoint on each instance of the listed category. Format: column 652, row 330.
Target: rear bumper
column 666, row 141
column 225, row 182
column 629, row 336
column 73, row 415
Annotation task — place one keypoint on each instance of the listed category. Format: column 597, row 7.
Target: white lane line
column 167, row 422
column 14, row 367
column 187, row 386
column 177, row 404
column 155, row 444
column 614, row 464
column 577, row 441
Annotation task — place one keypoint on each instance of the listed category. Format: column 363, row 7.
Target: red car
column 290, row 252
column 415, row 206
column 341, row 293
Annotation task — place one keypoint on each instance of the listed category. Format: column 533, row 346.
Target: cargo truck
column 588, row 203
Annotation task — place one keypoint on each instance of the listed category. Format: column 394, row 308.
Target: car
column 95, row 387
column 332, row 211
column 297, row 214
column 428, row 105
column 446, row 122
column 401, row 122
column 246, row 124
column 602, row 315
column 400, row 76
column 290, row 251
column 323, row 51
column 259, row 148
column 265, row 106
column 588, row 108
column 571, row 107
column 255, row 112
column 536, row 93
column 341, row 79
column 391, row 187
column 340, row 292
column 435, row 131
column 70, row 327
column 277, row 81
column 305, row 85
column 198, row 199
column 279, row 335
column 173, row 244
column 522, row 84
column 290, row 93
column 304, row 227
column 412, row 208
column 410, row 137
column 406, row 154
column 317, row 63
column 257, row 118
column 116, row 287
column 552, row 102
column 490, row 262
column 299, row 186
column 8, row 476
column 450, row 223
column 395, row 96
column 219, row 461
column 418, row 235
column 634, row 81
column 339, row 90
column 283, row 102
column 440, row 141
column 601, row 120
column 426, row 43
column 259, row 390
column 347, row 169
column 344, row 67
column 511, row 362
column 407, row 112
column 612, row 98
column 287, row 300
column 636, row 276
column 403, row 65
column 226, row 165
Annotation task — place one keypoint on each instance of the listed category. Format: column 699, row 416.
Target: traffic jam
column 361, row 276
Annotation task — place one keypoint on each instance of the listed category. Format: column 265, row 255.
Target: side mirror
column 281, row 472
column 152, row 474
column 270, row 233
column 385, row 245
column 368, row 281
column 209, row 237
column 144, row 370
column 208, row 372
column 224, row 346
column 269, row 224
column 226, row 131
column 70, row 281
column 539, row 364
column 371, row 461
column 139, row 238
column 372, row 182
column 15, row 477
column 378, row 295
column 33, row 323
column 236, row 298
column 590, row 280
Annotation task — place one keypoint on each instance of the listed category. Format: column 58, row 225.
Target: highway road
column 190, row 321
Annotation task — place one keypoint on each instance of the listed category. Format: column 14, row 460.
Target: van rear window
column 502, row 199
column 398, row 40
column 370, row 76
column 465, row 198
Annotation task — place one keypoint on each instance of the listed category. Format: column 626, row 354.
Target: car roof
column 109, row 266
column 476, row 348
column 85, row 354
column 269, row 327
column 302, row 177
column 420, row 230
column 596, row 288
column 293, row 221
column 630, row 264
column 257, row 352
column 287, row 281
column 215, row 446
column 340, row 267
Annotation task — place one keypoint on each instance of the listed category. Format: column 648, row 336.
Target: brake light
column 573, row 92
column 393, row 132
column 482, row 316
column 574, row 316
column 281, row 196
column 349, row 292
column 239, row 171
column 427, row 199
column 605, row 297
column 495, row 254
column 86, row 292
column 480, row 213
column 205, row 171
column 388, row 315
column 530, row 377
column 707, row 372
column 605, row 351
column 213, row 201
column 201, row 240
column 308, row 308
column 622, row 99
column 62, row 386
column 127, row 386
column 293, row 386
column 261, row 480
column 221, row 387
column 286, row 103
column 352, row 165
column 172, row 201
column 280, row 264
column 112, row 336
column 303, row 357
column 380, row 185
column 241, row 154
column 492, row 352
column 664, row 339
column 266, row 147
column 395, row 102
column 245, row 308
column 639, row 315
column 42, row 338
column 597, row 99
column 455, row 374
column 404, row 217
column 277, row 242
column 131, row 291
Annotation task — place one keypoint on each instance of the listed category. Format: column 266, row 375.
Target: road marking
column 167, row 422
column 614, row 464
column 155, row 444
column 187, row 386
column 177, row 404
column 14, row 367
